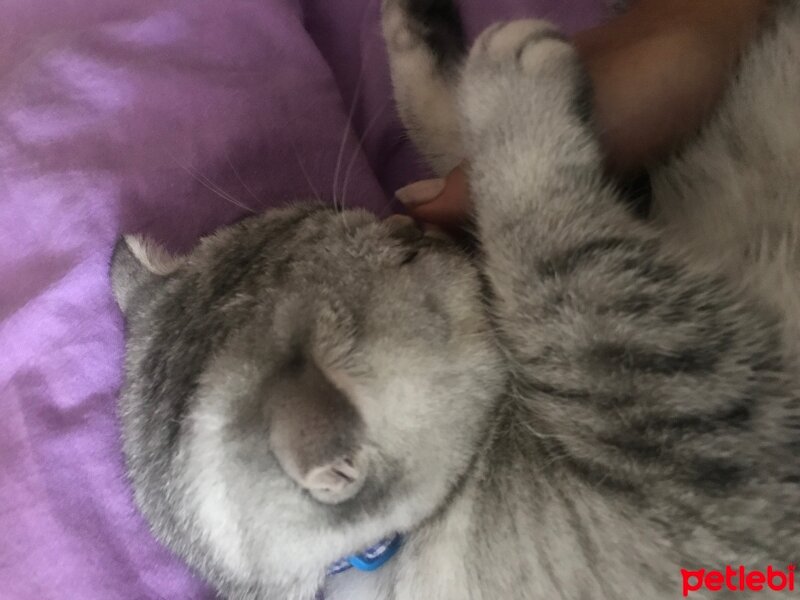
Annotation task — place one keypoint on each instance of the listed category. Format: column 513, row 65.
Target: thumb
column 444, row 202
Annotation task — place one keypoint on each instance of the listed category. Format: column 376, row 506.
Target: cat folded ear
column 316, row 434
column 136, row 263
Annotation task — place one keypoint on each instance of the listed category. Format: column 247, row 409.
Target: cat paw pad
column 528, row 43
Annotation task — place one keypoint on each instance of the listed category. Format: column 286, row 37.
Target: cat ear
column 316, row 435
column 138, row 261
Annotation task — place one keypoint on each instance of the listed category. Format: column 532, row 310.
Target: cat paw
column 528, row 44
column 522, row 82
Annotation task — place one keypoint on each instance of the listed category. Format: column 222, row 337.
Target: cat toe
column 525, row 43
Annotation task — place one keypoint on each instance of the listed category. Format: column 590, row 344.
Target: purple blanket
column 171, row 118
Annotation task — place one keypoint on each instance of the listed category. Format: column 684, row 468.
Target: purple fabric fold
column 169, row 118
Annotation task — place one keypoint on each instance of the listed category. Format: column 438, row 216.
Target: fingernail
column 420, row 192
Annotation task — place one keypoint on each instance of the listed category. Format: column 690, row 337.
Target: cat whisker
column 364, row 135
column 347, row 126
column 338, row 202
column 302, row 166
column 538, row 434
column 239, row 177
column 211, row 186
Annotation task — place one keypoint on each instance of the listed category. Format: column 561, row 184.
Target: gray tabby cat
column 598, row 404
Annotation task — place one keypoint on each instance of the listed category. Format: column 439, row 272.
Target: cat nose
column 337, row 480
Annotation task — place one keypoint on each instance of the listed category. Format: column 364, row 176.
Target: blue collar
column 371, row 559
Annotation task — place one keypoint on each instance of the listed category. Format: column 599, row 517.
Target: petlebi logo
column 739, row 579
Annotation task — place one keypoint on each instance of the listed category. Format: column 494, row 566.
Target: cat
column 592, row 404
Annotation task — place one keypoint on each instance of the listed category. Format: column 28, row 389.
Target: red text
column 738, row 580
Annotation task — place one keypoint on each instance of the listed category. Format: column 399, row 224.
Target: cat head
column 321, row 379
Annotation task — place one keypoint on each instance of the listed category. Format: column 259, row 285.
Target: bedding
column 170, row 119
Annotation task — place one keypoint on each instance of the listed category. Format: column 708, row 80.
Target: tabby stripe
column 601, row 398
column 738, row 416
column 712, row 476
column 592, row 474
column 630, row 357
column 586, row 254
